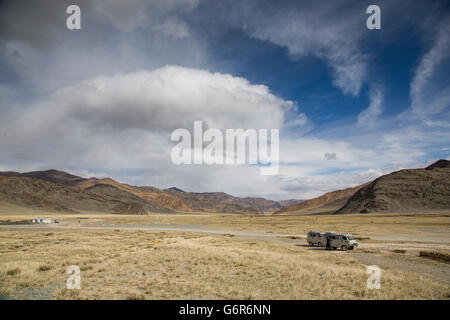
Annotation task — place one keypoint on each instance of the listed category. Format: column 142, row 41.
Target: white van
column 343, row 242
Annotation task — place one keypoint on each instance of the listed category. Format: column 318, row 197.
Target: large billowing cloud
column 160, row 100
column 125, row 121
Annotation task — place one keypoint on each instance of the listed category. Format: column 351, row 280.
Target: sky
column 350, row 103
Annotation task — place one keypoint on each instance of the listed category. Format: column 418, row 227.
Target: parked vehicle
column 313, row 238
column 337, row 241
column 343, row 242
column 318, row 238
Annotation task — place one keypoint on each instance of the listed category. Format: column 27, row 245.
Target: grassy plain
column 122, row 257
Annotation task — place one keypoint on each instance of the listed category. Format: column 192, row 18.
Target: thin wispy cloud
column 369, row 117
column 327, row 31
column 431, row 101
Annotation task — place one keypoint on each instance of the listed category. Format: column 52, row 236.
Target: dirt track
column 422, row 242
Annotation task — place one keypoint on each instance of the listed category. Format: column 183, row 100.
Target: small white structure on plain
column 42, row 220
column 46, row 220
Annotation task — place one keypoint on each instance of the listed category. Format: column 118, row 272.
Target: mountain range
column 407, row 190
column 62, row 191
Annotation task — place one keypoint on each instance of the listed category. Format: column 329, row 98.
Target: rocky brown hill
column 439, row 164
column 330, row 201
column 409, row 190
column 116, row 193
column 161, row 201
column 45, row 195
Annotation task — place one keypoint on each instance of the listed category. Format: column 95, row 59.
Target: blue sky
column 308, row 80
column 103, row 100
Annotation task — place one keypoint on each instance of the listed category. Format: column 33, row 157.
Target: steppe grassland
column 176, row 265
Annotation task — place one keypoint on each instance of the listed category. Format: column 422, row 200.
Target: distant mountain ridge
column 251, row 205
column 119, row 197
column 52, row 175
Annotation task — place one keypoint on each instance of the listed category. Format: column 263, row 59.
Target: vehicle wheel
column 320, row 244
column 344, row 248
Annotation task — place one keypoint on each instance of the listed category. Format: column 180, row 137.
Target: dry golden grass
column 177, row 265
